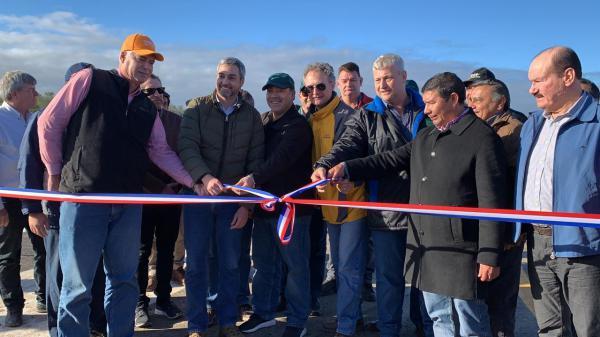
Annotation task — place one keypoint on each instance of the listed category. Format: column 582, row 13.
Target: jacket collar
column 288, row 115
column 460, row 126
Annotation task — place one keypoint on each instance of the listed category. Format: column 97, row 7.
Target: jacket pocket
column 456, row 227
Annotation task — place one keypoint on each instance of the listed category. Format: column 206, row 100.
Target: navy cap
column 75, row 68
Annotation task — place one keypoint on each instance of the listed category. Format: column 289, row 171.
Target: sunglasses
column 308, row 89
column 151, row 91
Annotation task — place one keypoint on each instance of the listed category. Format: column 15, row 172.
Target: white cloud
column 47, row 45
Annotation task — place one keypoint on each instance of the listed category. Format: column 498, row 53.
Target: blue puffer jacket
column 576, row 175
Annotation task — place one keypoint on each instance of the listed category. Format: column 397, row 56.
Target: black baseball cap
column 478, row 75
column 279, row 80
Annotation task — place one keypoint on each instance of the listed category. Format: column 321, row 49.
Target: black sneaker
column 141, row 317
column 169, row 310
column 14, row 318
column 291, row 331
column 255, row 323
column 315, row 313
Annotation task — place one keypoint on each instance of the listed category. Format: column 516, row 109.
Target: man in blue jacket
column 391, row 120
column 558, row 171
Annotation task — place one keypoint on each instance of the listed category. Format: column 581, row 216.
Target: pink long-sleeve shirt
column 55, row 118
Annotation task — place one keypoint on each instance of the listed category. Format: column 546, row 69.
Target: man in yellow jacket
column 346, row 226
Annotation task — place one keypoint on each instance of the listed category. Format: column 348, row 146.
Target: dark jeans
column 200, row 221
column 504, row 293
column 161, row 221
column 245, row 263
column 87, row 232
column 389, row 253
column 369, row 267
column 316, row 262
column 54, row 282
column 268, row 254
column 563, row 289
column 10, row 258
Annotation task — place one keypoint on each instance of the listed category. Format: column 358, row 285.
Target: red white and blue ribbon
column 285, row 224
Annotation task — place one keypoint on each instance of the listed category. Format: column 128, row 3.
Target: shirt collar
column 9, row 107
column 406, row 105
column 454, row 121
column 567, row 115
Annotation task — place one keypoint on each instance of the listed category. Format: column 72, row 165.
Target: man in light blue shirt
column 17, row 90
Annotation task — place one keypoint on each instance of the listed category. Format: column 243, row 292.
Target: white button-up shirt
column 12, row 128
column 538, row 194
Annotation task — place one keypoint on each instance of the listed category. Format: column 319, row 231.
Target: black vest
column 105, row 142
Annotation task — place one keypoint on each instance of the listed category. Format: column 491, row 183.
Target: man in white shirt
column 17, row 90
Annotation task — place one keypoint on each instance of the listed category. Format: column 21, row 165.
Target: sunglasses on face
column 308, row 89
column 151, row 91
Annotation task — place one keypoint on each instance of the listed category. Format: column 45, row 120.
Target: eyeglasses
column 308, row 89
column 151, row 91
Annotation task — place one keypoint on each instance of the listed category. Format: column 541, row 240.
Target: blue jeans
column 266, row 252
column 54, row 282
column 88, row 231
column 418, row 312
column 318, row 235
column 348, row 245
column 199, row 222
column 389, row 251
column 473, row 319
column 245, row 264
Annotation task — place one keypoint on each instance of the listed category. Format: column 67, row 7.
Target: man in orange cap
column 99, row 135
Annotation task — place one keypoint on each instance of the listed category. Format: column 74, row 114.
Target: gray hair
column 499, row 90
column 322, row 67
column 13, row 81
column 387, row 60
column 235, row 62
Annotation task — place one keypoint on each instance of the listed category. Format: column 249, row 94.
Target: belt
column 546, row 231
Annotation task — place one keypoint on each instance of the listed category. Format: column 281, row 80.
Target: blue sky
column 275, row 36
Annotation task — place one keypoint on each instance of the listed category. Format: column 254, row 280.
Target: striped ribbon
column 285, row 223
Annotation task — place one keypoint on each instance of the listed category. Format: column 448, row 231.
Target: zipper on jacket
column 223, row 146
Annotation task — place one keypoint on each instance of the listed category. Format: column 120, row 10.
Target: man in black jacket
column 458, row 162
column 390, row 121
column 288, row 143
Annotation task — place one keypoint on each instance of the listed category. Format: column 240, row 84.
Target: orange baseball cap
column 141, row 45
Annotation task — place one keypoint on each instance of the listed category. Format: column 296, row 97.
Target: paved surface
column 35, row 324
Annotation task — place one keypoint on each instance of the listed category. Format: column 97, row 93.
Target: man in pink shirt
column 98, row 135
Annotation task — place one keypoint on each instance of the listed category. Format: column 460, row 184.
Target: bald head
column 562, row 58
column 555, row 75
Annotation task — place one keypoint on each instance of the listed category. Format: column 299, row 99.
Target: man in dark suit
column 457, row 162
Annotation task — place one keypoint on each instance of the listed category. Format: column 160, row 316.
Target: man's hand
column 38, row 224
column 53, row 182
column 212, row 185
column 319, row 174
column 239, row 218
column 199, row 189
column 488, row 273
column 337, row 172
column 247, row 181
column 3, row 217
